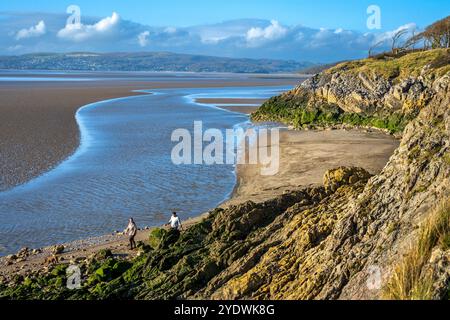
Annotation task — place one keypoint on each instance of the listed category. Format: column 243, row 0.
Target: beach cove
column 305, row 156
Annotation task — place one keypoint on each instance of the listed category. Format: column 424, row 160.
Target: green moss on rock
column 155, row 237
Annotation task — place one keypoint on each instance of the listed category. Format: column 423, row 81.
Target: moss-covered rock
column 155, row 237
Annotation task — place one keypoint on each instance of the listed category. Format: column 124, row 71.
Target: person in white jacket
column 175, row 222
column 131, row 232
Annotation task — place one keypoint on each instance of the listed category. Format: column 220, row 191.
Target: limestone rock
column 334, row 179
column 58, row 249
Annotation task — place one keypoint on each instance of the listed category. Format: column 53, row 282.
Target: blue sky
column 313, row 30
column 348, row 14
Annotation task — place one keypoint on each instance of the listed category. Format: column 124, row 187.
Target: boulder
column 336, row 178
column 103, row 255
column 58, row 249
column 23, row 253
column 36, row 251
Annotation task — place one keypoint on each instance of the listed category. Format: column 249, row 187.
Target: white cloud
column 80, row 32
column 253, row 38
column 272, row 32
column 143, row 38
column 170, row 30
column 15, row 48
column 35, row 31
column 387, row 36
column 213, row 40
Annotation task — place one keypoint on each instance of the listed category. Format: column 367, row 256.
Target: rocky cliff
column 356, row 237
column 385, row 93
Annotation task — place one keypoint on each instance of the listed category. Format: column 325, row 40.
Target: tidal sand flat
column 38, row 128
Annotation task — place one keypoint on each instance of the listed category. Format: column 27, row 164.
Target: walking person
column 131, row 232
column 175, row 222
column 174, row 233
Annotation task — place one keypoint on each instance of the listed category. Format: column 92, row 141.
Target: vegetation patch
column 400, row 68
column 411, row 279
column 299, row 114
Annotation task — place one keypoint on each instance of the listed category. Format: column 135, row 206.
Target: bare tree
column 396, row 38
column 412, row 41
column 372, row 48
column 436, row 35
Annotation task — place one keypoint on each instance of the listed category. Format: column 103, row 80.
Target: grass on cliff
column 411, row 279
column 295, row 113
column 396, row 69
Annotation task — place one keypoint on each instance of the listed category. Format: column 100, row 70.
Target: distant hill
column 146, row 61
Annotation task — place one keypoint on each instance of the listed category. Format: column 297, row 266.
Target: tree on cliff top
column 435, row 36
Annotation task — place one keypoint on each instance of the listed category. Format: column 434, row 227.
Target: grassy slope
column 396, row 69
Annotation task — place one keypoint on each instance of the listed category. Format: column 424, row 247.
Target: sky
column 319, row 30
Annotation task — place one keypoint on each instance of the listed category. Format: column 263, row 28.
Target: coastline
column 133, row 91
column 250, row 186
column 294, row 172
column 39, row 122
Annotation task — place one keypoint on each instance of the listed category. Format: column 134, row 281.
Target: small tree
column 412, row 41
column 395, row 40
column 372, row 48
column 436, row 35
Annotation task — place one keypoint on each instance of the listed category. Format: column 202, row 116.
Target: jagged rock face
column 283, row 265
column 352, row 93
column 328, row 251
column 367, row 94
column 395, row 202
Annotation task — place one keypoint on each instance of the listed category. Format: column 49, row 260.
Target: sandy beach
column 305, row 156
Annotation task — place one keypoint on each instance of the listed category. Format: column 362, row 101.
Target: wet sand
column 305, row 156
column 38, row 128
column 242, row 109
